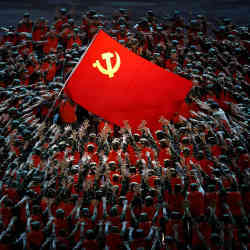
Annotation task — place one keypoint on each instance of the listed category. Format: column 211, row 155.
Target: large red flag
column 116, row 84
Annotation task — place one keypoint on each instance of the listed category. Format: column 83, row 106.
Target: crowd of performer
column 71, row 180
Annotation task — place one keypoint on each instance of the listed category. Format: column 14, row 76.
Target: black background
column 11, row 11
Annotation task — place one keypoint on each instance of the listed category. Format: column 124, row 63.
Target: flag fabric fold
column 116, row 84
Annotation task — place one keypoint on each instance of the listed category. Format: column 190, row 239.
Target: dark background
column 12, row 10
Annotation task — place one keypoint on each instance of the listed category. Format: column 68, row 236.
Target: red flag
column 116, row 84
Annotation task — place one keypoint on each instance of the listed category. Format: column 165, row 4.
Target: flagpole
column 59, row 94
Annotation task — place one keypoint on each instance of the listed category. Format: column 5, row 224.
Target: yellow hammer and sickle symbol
column 110, row 71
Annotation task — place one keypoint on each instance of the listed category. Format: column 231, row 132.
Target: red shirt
column 90, row 245
column 171, row 65
column 233, row 201
column 140, row 243
column 61, row 224
column 34, row 238
column 180, row 229
column 197, row 205
column 114, row 241
column 131, row 155
column 87, row 225
column 25, row 27
column 59, row 23
column 113, row 156
column 246, row 203
column 67, row 112
column 73, row 40
column 216, row 150
column 135, row 178
column 163, row 154
column 36, row 160
column 174, row 181
column 5, row 246
column 205, row 230
column 210, row 199
column 50, row 45
column 6, row 214
column 59, row 156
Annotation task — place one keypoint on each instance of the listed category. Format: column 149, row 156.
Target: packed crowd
column 70, row 180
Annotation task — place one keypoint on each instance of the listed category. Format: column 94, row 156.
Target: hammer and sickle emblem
column 110, row 71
